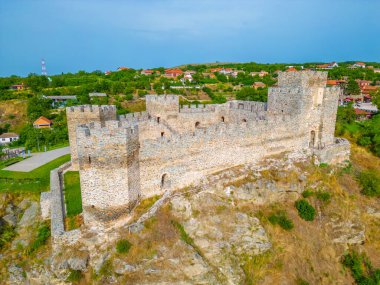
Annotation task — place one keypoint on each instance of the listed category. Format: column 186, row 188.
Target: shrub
column 123, row 246
column 42, row 236
column 323, row 165
column 7, row 233
column 74, row 276
column 307, row 193
column 370, row 183
column 305, row 210
column 323, row 196
column 282, row 220
column 361, row 269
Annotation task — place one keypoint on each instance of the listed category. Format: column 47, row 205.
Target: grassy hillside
column 13, row 112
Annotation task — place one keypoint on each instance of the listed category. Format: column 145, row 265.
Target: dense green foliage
column 361, row 269
column 370, row 183
column 365, row 133
column 251, row 94
column 123, row 246
column 73, row 197
column 305, row 210
column 282, row 220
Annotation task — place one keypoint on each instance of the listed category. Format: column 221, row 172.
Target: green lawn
column 6, row 163
column 37, row 180
column 73, row 196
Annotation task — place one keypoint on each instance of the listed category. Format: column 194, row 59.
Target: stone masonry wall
column 82, row 115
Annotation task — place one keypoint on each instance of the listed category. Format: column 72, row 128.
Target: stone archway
column 197, row 124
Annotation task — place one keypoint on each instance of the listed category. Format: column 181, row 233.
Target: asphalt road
column 38, row 159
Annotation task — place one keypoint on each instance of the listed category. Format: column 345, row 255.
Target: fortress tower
column 109, row 169
column 83, row 115
column 162, row 107
column 305, row 95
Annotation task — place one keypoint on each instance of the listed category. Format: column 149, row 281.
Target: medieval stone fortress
column 124, row 159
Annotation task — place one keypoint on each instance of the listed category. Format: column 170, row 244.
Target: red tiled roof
column 361, row 112
column 42, row 121
column 291, row 69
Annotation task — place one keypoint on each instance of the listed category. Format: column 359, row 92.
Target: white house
column 8, row 138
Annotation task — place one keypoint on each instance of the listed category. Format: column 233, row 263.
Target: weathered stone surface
column 10, row 219
column 79, row 261
column 220, row 232
column 347, row 232
column 30, row 215
column 24, row 204
column 45, row 204
column 16, row 275
column 121, row 267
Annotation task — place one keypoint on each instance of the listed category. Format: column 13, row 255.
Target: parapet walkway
column 38, row 159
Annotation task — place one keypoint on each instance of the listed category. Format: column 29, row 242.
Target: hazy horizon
column 103, row 35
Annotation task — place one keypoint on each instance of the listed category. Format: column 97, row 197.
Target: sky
column 73, row 35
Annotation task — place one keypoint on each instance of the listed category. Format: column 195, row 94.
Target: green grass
column 37, row 180
column 8, row 162
column 73, row 197
column 42, row 236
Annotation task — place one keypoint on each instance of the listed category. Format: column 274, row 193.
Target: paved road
column 38, row 159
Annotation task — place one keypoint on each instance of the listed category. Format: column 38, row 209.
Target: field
column 36, row 181
column 73, row 196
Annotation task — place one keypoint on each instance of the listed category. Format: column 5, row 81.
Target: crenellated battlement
column 91, row 108
column 302, row 79
column 110, row 128
column 170, row 98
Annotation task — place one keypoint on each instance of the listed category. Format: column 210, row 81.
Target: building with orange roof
column 147, row 72
column 359, row 65
column 327, row 65
column 291, row 69
column 42, row 123
column 173, row 72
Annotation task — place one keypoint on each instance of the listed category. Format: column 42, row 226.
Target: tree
column 38, row 106
column 376, row 98
column 352, row 87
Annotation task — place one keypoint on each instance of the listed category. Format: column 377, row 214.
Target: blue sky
column 89, row 35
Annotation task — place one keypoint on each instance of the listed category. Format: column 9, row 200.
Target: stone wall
column 57, row 200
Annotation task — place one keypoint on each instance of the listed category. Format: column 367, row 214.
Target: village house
column 122, row 68
column 97, row 94
column 362, row 115
column 42, row 123
column 61, row 100
column 363, row 83
column 18, row 87
column 359, row 65
column 173, row 72
column 257, row 85
column 327, row 65
column 8, row 138
column 147, row 72
column 187, row 77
